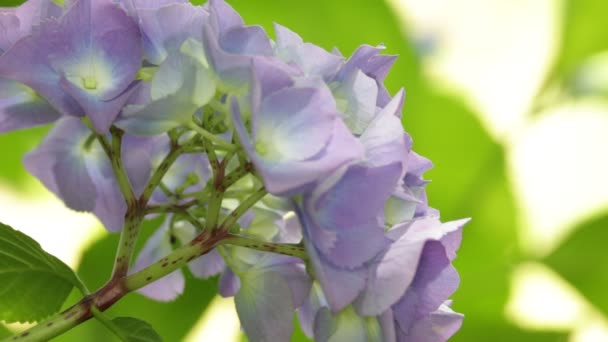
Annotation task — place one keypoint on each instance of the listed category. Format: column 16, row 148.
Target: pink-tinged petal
column 265, row 308
column 21, row 107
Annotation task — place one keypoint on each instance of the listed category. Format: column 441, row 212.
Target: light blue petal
column 59, row 163
column 265, row 307
column 21, row 107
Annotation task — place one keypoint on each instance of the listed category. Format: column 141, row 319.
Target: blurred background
column 509, row 98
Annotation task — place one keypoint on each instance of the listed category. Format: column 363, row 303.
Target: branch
column 118, row 288
column 279, row 248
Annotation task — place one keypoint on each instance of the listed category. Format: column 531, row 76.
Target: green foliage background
column 469, row 178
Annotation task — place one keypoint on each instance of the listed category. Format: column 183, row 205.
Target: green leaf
column 4, row 332
column 14, row 146
column 582, row 260
column 136, row 330
column 33, row 283
column 581, row 39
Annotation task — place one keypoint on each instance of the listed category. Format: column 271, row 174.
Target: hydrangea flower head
column 291, row 159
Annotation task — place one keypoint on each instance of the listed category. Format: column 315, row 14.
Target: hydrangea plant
column 275, row 164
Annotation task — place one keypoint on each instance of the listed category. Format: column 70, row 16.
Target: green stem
column 159, row 173
column 118, row 288
column 126, row 243
column 170, row 208
column 214, row 208
column 212, row 137
column 119, row 171
column 202, row 244
column 236, row 214
column 285, row 249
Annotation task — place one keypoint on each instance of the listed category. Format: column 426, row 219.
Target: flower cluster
column 224, row 131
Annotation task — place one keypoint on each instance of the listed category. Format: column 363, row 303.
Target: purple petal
column 265, row 307
column 356, row 98
column 9, row 30
column 285, row 168
column 165, row 289
column 439, row 326
column 294, row 273
column 311, row 59
column 294, row 122
column 340, row 286
column 20, row 107
column 60, row 165
column 207, row 265
column 137, row 158
column 384, row 139
column 180, row 87
column 249, row 40
column 224, row 16
column 269, row 76
column 156, row 248
column 25, row 63
column 18, row 22
column 110, row 206
column 229, row 283
column 393, row 272
column 308, row 310
column 359, row 235
column 387, row 324
column 230, row 46
column 167, row 27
